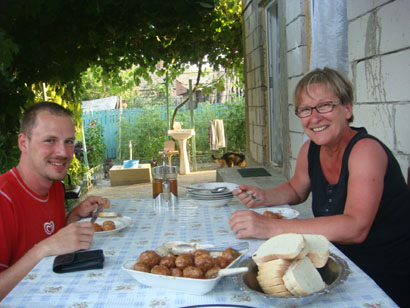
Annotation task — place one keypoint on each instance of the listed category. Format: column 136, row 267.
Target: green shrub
column 147, row 129
column 95, row 144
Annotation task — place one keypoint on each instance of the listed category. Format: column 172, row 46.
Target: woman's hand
column 250, row 224
column 250, row 196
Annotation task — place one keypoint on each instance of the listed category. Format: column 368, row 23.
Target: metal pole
column 194, row 166
column 44, row 92
column 84, row 146
column 119, row 130
column 167, row 95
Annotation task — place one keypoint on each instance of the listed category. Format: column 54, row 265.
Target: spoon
column 228, row 272
column 212, row 190
column 190, row 247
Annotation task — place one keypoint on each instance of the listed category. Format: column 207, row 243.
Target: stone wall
column 254, row 82
column 297, row 63
column 379, row 56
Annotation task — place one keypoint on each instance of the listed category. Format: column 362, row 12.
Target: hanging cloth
column 216, row 134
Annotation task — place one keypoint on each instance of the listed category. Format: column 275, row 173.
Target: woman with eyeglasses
column 360, row 199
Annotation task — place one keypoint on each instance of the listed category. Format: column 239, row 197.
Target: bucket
column 130, row 164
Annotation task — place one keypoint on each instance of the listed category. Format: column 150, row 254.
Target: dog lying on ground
column 230, row 159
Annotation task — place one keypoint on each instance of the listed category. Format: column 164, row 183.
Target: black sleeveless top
column 387, row 246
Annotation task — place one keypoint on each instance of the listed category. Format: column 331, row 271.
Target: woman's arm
column 295, row 191
column 367, row 167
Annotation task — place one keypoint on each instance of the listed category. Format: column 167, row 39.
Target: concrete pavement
column 231, row 175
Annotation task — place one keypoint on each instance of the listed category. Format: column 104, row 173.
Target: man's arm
column 73, row 237
column 10, row 277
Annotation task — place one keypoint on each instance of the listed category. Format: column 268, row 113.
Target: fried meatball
column 97, row 227
column 204, row 262
column 141, row 267
column 161, row 270
column 176, row 272
column 222, row 262
column 272, row 215
column 183, row 261
column 192, row 272
column 200, row 252
column 108, row 225
column 212, row 272
column 168, row 261
column 230, row 254
column 150, row 258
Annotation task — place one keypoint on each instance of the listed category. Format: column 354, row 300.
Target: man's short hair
column 30, row 115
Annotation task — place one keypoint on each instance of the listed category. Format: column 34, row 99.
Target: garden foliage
column 147, row 129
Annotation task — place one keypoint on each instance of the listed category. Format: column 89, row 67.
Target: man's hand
column 86, row 208
column 73, row 237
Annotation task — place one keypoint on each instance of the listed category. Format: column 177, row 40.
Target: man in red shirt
column 33, row 224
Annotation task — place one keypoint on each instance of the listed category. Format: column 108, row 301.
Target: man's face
column 50, row 147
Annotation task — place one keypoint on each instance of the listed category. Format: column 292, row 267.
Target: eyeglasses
column 303, row 112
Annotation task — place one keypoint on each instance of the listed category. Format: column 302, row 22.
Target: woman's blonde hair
column 333, row 79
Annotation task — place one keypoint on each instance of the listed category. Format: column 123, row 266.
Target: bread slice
column 318, row 249
column 273, row 265
column 303, row 278
column 272, row 274
column 267, row 282
column 303, row 253
column 108, row 214
column 275, row 289
column 282, row 246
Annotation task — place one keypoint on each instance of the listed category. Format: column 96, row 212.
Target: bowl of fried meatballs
column 193, row 272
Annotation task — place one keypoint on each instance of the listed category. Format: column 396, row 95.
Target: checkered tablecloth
column 151, row 227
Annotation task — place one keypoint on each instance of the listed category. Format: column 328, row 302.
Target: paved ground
column 144, row 191
column 231, row 175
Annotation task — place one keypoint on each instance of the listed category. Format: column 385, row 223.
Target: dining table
column 148, row 227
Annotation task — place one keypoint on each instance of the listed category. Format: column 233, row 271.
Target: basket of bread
column 292, row 270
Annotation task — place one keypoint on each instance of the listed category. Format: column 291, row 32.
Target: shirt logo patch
column 49, row 227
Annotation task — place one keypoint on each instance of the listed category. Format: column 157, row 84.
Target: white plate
column 211, row 185
column 120, row 223
column 285, row 212
column 186, row 285
column 212, row 202
column 210, row 197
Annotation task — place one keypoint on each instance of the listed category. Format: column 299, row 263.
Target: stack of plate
column 213, row 193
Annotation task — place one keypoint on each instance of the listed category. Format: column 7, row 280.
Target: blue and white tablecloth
column 151, row 227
